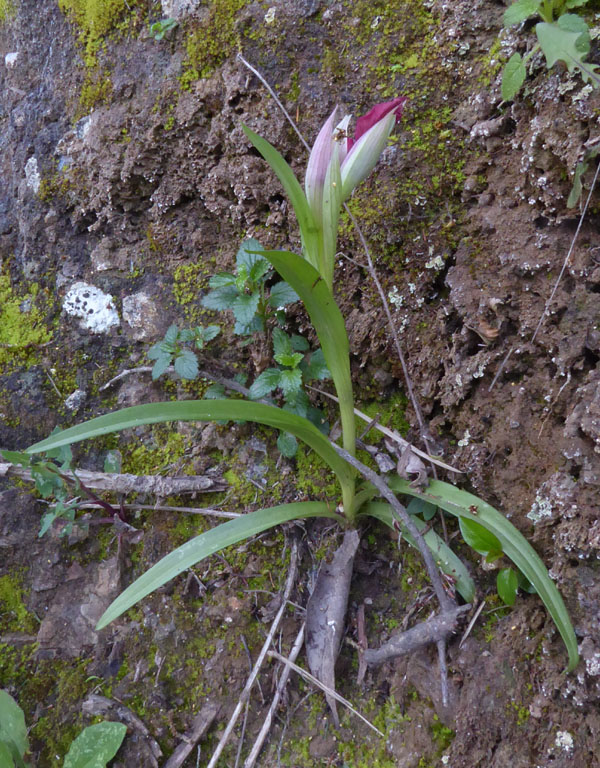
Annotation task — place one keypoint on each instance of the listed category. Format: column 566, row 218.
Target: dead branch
column 431, row 631
column 108, row 481
column 259, row 662
column 202, row 722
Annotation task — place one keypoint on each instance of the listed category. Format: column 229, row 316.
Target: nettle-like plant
column 336, row 166
column 561, row 36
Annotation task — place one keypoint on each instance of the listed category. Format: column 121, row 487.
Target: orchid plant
column 337, row 164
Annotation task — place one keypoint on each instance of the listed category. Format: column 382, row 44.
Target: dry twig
column 202, row 722
column 266, row 726
column 259, row 662
column 125, row 483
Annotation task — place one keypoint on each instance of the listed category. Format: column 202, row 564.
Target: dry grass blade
column 266, row 726
column 259, row 662
column 392, row 435
column 328, row 691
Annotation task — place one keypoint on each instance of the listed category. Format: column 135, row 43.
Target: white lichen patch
column 95, row 308
column 32, row 175
column 270, row 15
column 564, row 741
column 540, row 509
column 592, row 665
column 395, row 298
column 466, row 438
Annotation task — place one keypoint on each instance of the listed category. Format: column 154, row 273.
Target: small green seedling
column 95, row 746
column 160, row 28
column 561, row 36
column 170, row 351
column 246, row 294
column 296, row 368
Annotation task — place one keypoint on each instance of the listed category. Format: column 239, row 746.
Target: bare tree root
column 431, row 631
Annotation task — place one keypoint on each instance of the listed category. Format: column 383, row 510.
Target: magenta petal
column 378, row 112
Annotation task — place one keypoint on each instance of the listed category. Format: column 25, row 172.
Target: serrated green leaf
column 292, row 360
column 215, row 392
column 520, row 11
column 95, row 746
column 514, row 545
column 561, row 45
column 16, row 457
column 507, row 584
column 445, row 558
column 222, row 280
column 513, row 77
column 299, row 343
column 221, row 298
column 208, row 543
column 244, row 307
column 265, row 383
column 298, row 402
column 247, row 255
column 256, row 325
column 290, row 382
column 258, row 270
column 281, row 295
column 160, row 366
column 317, row 367
column 570, row 22
column 282, row 344
column 308, row 228
column 287, row 445
column 13, row 731
column 186, row 364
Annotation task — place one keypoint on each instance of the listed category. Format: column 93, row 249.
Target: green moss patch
column 22, row 328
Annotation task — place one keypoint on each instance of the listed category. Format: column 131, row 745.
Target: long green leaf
column 201, row 410
column 329, row 325
column 445, row 558
column 208, row 543
column 308, row 227
column 514, row 545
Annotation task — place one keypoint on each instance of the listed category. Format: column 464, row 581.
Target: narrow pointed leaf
column 507, row 584
column 329, row 324
column 291, row 185
column 514, row 545
column 445, row 558
column 207, row 544
column 201, row 410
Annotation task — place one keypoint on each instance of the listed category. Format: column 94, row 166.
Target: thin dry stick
column 275, row 98
column 325, row 688
column 259, row 661
column 391, row 434
column 266, row 726
column 159, row 508
column 200, row 726
column 425, row 434
column 568, row 256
